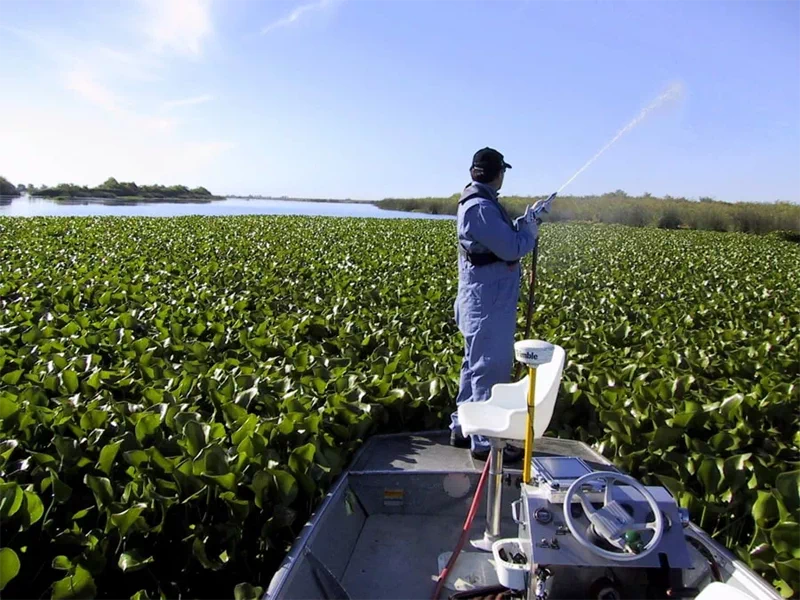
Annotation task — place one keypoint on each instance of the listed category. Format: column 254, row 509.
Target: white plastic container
column 509, row 574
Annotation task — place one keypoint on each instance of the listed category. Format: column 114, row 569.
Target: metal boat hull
column 400, row 506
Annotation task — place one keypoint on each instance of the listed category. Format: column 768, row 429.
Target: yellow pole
column 526, row 468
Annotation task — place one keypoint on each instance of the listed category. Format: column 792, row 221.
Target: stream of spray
column 672, row 93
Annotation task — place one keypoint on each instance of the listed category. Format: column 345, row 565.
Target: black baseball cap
column 489, row 161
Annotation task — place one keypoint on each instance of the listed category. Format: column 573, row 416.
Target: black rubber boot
column 457, row 440
column 481, row 453
column 512, row 454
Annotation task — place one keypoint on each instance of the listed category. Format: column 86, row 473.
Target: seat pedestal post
column 494, row 498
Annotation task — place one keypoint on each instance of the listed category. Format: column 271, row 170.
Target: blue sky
column 375, row 98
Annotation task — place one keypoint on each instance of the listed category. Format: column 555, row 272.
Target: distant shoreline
column 287, row 199
column 110, row 200
column 128, row 199
column 204, row 199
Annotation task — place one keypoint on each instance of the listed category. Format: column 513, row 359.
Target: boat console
column 581, row 524
column 598, row 518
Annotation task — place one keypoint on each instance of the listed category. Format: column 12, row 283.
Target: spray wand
column 538, row 209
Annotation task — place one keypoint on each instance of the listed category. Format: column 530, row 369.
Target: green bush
column 670, row 219
column 618, row 207
column 7, row 188
column 111, row 188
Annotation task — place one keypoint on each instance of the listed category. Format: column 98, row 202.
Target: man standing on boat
column 490, row 248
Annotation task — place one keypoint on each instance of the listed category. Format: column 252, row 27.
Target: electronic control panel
column 545, row 536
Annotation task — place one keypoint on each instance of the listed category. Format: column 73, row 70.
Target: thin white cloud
column 94, row 92
column 77, row 53
column 296, row 15
column 134, row 64
column 187, row 102
column 205, row 152
column 180, row 26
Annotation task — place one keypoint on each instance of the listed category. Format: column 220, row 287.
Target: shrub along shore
column 638, row 211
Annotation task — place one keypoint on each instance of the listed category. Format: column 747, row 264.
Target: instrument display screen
column 560, row 468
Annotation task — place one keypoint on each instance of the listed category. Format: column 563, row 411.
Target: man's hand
column 530, row 214
column 529, row 221
column 533, row 226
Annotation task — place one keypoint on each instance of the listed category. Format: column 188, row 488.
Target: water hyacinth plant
column 176, row 395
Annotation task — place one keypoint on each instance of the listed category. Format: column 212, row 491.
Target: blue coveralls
column 486, row 303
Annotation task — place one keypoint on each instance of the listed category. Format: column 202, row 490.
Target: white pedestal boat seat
column 504, row 415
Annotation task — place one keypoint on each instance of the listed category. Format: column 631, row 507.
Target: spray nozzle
column 543, row 205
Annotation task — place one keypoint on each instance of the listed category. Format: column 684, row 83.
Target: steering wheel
column 612, row 522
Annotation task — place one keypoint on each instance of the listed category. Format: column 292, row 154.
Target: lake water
column 25, row 206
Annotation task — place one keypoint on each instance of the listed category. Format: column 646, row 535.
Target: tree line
column 110, row 188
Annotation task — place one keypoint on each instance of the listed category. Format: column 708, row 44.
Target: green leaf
column 262, row 482
column 731, row 404
column 196, row 436
column 723, row 441
column 43, row 459
column 136, row 457
column 788, row 486
column 319, row 385
column 78, row 586
column 126, row 519
column 784, row 589
column 13, row 377
column 35, row 508
column 133, row 561
column 245, row 591
column 82, row 513
column 11, row 497
column 199, row 552
column 301, row 458
column 226, row 481
column 286, row 485
column 7, row 407
column 61, row 563
column 709, row 475
column 70, row 380
column 61, row 491
column 786, row 538
column 107, row 456
column 140, row 346
column 147, row 426
column 211, row 461
column 67, row 448
column 666, row 437
column 765, row 510
column 102, row 490
column 9, row 566
column 790, row 565
column 93, row 419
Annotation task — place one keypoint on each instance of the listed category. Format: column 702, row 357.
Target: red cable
column 464, row 531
